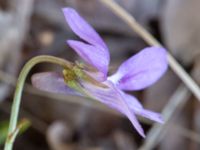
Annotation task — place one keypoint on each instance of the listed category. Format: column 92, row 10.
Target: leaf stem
column 19, row 87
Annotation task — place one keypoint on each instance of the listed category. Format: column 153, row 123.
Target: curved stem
column 18, row 92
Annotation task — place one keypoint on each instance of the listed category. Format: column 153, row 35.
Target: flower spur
column 91, row 80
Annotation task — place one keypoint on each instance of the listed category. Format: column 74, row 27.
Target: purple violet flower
column 138, row 72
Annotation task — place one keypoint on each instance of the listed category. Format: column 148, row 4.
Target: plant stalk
column 18, row 92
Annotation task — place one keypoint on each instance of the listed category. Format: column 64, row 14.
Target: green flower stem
column 18, row 92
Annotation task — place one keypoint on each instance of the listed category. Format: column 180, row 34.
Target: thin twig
column 178, row 99
column 126, row 17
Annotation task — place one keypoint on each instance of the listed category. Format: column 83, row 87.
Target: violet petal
column 141, row 70
column 82, row 28
column 150, row 115
column 93, row 55
column 112, row 97
column 137, row 107
column 51, row 82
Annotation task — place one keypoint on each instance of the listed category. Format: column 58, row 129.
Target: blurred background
column 34, row 27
